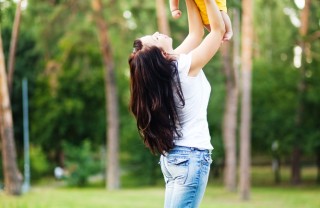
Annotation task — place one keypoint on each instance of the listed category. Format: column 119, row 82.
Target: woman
column 169, row 99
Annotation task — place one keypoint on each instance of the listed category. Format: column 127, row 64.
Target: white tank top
column 193, row 116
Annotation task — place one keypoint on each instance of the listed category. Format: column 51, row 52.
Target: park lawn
column 216, row 196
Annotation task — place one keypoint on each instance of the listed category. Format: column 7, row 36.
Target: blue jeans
column 186, row 172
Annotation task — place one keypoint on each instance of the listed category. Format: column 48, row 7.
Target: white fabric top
column 193, row 116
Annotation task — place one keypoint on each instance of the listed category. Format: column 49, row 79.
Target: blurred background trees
column 59, row 53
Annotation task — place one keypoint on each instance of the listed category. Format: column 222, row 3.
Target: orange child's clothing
column 203, row 12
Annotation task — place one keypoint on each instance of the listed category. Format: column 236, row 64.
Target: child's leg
column 222, row 5
column 203, row 13
column 203, row 10
column 223, row 8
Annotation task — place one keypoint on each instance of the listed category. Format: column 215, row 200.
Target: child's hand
column 176, row 13
column 229, row 33
column 227, row 36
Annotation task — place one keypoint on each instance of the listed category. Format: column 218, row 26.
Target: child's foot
column 176, row 13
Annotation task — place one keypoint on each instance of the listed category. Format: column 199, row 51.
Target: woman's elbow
column 219, row 29
column 197, row 35
column 201, row 34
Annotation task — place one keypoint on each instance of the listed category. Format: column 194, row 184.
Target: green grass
column 264, row 194
column 216, row 196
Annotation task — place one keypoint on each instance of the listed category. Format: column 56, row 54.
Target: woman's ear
column 164, row 54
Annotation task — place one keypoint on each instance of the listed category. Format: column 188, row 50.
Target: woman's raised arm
column 196, row 30
column 202, row 54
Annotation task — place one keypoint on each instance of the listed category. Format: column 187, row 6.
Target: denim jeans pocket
column 208, row 159
column 178, row 166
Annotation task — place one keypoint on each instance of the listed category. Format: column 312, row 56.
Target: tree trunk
column 295, row 165
column 112, row 170
column 231, row 108
column 318, row 164
column 13, row 45
column 246, row 68
column 229, row 123
column 296, row 153
column 12, row 176
column 162, row 19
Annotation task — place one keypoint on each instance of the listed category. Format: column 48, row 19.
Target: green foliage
column 39, row 165
column 273, row 105
column 7, row 11
column 312, row 111
column 80, row 163
column 69, row 97
column 1, row 175
column 213, row 71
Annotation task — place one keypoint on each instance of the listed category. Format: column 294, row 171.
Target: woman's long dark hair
column 154, row 84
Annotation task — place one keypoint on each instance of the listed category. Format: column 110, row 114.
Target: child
column 176, row 13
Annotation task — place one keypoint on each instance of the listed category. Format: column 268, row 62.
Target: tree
column 13, row 45
column 296, row 152
column 231, row 106
column 12, row 176
column 113, row 181
column 246, row 68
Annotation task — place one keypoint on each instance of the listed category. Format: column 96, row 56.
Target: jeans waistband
column 183, row 148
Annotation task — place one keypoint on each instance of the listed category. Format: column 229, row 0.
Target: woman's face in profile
column 159, row 40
